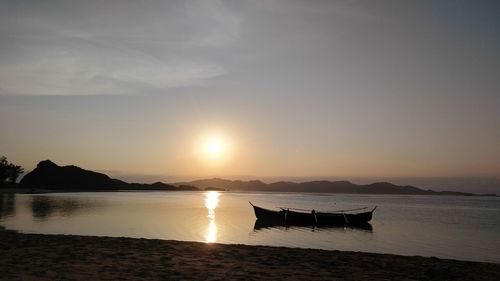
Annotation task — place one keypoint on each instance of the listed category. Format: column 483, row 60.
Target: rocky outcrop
column 48, row 175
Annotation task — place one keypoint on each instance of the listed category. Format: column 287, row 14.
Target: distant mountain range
column 320, row 187
column 50, row 176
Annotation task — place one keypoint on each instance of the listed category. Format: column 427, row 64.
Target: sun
column 214, row 147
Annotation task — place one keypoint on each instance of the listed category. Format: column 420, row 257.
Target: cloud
column 108, row 49
column 65, row 72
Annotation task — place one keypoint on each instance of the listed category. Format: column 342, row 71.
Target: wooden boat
column 311, row 217
column 263, row 224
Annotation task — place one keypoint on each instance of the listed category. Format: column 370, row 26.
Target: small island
column 211, row 188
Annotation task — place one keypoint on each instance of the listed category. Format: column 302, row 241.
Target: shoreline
column 48, row 191
column 61, row 257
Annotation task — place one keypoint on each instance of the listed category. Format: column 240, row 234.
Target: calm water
column 466, row 228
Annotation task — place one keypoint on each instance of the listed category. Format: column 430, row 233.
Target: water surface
column 465, row 228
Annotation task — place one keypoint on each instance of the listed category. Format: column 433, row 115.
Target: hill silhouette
column 48, row 175
column 320, row 187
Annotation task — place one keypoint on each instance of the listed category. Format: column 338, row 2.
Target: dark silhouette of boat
column 293, row 216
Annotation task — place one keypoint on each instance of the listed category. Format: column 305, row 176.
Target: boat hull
column 319, row 218
column 265, row 224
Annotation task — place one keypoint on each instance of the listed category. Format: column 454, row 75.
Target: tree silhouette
column 9, row 172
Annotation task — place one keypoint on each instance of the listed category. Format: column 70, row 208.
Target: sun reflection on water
column 211, row 202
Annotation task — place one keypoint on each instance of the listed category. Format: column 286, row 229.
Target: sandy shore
column 65, row 257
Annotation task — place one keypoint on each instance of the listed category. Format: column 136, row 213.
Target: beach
column 69, row 257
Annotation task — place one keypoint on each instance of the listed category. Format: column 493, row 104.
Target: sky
column 253, row 88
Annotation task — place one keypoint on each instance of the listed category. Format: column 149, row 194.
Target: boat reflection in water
column 211, row 202
column 262, row 224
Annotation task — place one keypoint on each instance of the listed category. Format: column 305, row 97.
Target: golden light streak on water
column 211, row 202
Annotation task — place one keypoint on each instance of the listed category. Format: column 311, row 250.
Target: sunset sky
column 253, row 88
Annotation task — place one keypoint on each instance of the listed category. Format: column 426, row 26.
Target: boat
column 294, row 216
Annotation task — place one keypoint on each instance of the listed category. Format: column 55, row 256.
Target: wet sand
column 68, row 257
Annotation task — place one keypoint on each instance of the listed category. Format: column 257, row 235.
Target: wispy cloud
column 64, row 72
column 96, row 55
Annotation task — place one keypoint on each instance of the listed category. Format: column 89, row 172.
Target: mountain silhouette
column 48, row 175
column 319, row 187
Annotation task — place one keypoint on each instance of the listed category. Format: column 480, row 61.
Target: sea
column 451, row 227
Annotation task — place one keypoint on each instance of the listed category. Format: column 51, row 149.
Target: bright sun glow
column 214, row 147
column 214, row 150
